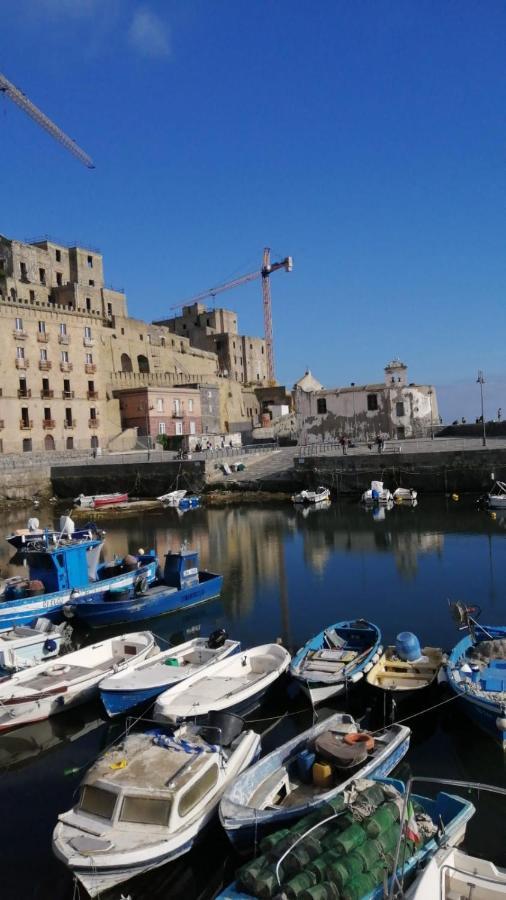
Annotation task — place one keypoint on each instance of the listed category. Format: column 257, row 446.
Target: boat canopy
column 70, row 565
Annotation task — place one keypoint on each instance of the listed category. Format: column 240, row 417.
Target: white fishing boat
column 145, row 802
column 55, row 685
column 496, row 498
column 404, row 495
column 451, row 874
column 236, row 684
column 146, row 679
column 377, row 493
column 24, row 646
column 172, row 498
column 317, row 496
column 97, row 501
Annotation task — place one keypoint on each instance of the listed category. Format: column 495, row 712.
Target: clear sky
column 366, row 138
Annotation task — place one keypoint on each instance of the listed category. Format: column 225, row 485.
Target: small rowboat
column 403, row 676
column 96, row 501
column 318, row 496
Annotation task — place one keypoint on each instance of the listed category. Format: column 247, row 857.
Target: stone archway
column 49, row 442
column 126, row 363
column 143, row 363
column 69, row 443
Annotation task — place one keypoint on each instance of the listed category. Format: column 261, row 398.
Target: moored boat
column 305, row 773
column 60, row 572
column 317, row 496
column 405, row 496
column 32, row 534
column 181, row 586
column 405, row 669
column 172, row 498
column 24, row 646
column 451, row 873
column 56, row 685
column 496, row 498
column 96, row 501
column 377, row 493
column 146, row 802
column 236, row 684
column 336, row 658
column 353, row 846
column 147, row 679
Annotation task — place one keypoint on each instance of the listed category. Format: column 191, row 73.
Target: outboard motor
column 217, row 639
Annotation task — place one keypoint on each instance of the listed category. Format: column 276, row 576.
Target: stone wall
column 138, row 479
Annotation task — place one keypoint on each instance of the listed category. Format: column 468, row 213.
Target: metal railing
column 406, row 445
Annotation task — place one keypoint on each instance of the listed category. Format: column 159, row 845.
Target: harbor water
column 287, row 574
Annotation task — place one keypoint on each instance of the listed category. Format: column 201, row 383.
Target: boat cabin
column 181, row 569
column 58, row 568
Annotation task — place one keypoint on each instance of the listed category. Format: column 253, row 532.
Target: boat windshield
column 145, row 810
column 96, row 801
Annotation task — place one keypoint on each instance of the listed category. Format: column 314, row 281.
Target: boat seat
column 269, row 789
column 332, row 748
column 263, row 664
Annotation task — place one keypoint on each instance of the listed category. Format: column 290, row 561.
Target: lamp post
column 431, row 416
column 144, row 407
column 352, row 384
column 481, row 381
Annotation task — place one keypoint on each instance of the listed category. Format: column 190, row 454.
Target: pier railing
column 414, row 445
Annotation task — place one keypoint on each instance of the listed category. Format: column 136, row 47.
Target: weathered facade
column 163, row 410
column 392, row 408
column 240, row 357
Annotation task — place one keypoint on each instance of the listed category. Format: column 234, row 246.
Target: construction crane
column 264, row 273
column 21, row 100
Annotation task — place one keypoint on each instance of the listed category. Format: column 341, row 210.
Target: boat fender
column 375, row 658
column 50, row 646
column 356, row 677
column 501, row 723
column 369, row 665
column 141, row 585
column 360, row 737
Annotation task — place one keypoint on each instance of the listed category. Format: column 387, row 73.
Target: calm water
column 286, row 574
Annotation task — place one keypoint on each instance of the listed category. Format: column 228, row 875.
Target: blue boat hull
column 25, row 610
column 154, row 602
column 489, row 713
column 118, row 702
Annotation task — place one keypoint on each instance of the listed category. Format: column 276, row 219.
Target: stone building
column 392, row 407
column 155, row 411
column 240, row 357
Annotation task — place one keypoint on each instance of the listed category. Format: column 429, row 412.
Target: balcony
column 67, row 395
column 92, row 395
column 179, row 414
column 69, row 423
column 42, row 337
column 45, row 365
column 90, row 368
column 88, row 342
column 24, row 393
column 66, row 367
column 93, row 423
column 46, row 394
column 20, row 335
column 63, row 339
column 22, row 363
column 25, row 424
column 48, row 423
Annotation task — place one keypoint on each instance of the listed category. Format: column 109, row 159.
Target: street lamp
column 352, row 384
column 431, row 416
column 145, row 407
column 481, row 381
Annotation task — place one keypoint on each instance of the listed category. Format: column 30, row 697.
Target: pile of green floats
column 343, row 859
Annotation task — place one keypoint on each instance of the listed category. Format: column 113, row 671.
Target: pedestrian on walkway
column 499, row 414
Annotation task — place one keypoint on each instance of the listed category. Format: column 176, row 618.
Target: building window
column 68, row 415
column 59, row 279
column 27, row 445
column 91, row 282
column 90, row 262
column 2, row 265
column 42, row 327
column 64, row 356
column 159, row 406
column 32, row 296
column 42, row 276
column 47, row 413
column 161, row 428
column 87, row 332
column 63, row 329
column 69, row 443
column 43, row 355
column 57, row 254
column 399, row 409
column 89, row 359
column 22, row 269
column 372, row 402
column 19, row 325
column 177, row 407
column 190, row 405
column 93, row 413
column 109, row 310
column 321, row 405
column 193, row 429
column 20, row 352
column 179, row 427
column 88, row 304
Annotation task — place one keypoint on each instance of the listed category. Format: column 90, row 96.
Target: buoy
column 455, row 497
column 493, row 515
column 501, row 723
column 141, row 551
column 360, row 737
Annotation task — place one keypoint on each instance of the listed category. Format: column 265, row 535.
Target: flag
column 411, row 828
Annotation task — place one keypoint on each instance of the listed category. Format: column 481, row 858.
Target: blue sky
column 367, row 139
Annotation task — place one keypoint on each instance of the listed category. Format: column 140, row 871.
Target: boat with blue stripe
column 181, row 586
column 476, row 672
column 68, row 571
column 336, row 658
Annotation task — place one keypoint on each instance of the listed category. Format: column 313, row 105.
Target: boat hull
column 100, row 612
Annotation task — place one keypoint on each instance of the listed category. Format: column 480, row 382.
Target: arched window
column 94, row 442
column 49, row 442
column 70, row 443
column 126, row 363
column 27, row 445
column 143, row 363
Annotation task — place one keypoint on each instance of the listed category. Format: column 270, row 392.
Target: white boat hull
column 452, row 873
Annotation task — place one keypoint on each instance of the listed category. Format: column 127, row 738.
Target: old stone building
column 155, row 411
column 240, row 357
column 392, row 407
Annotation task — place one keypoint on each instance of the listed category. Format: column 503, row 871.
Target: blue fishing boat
column 287, row 783
column 336, row 658
column 476, row 672
column 182, row 585
column 60, row 572
column 25, row 538
column 353, row 846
